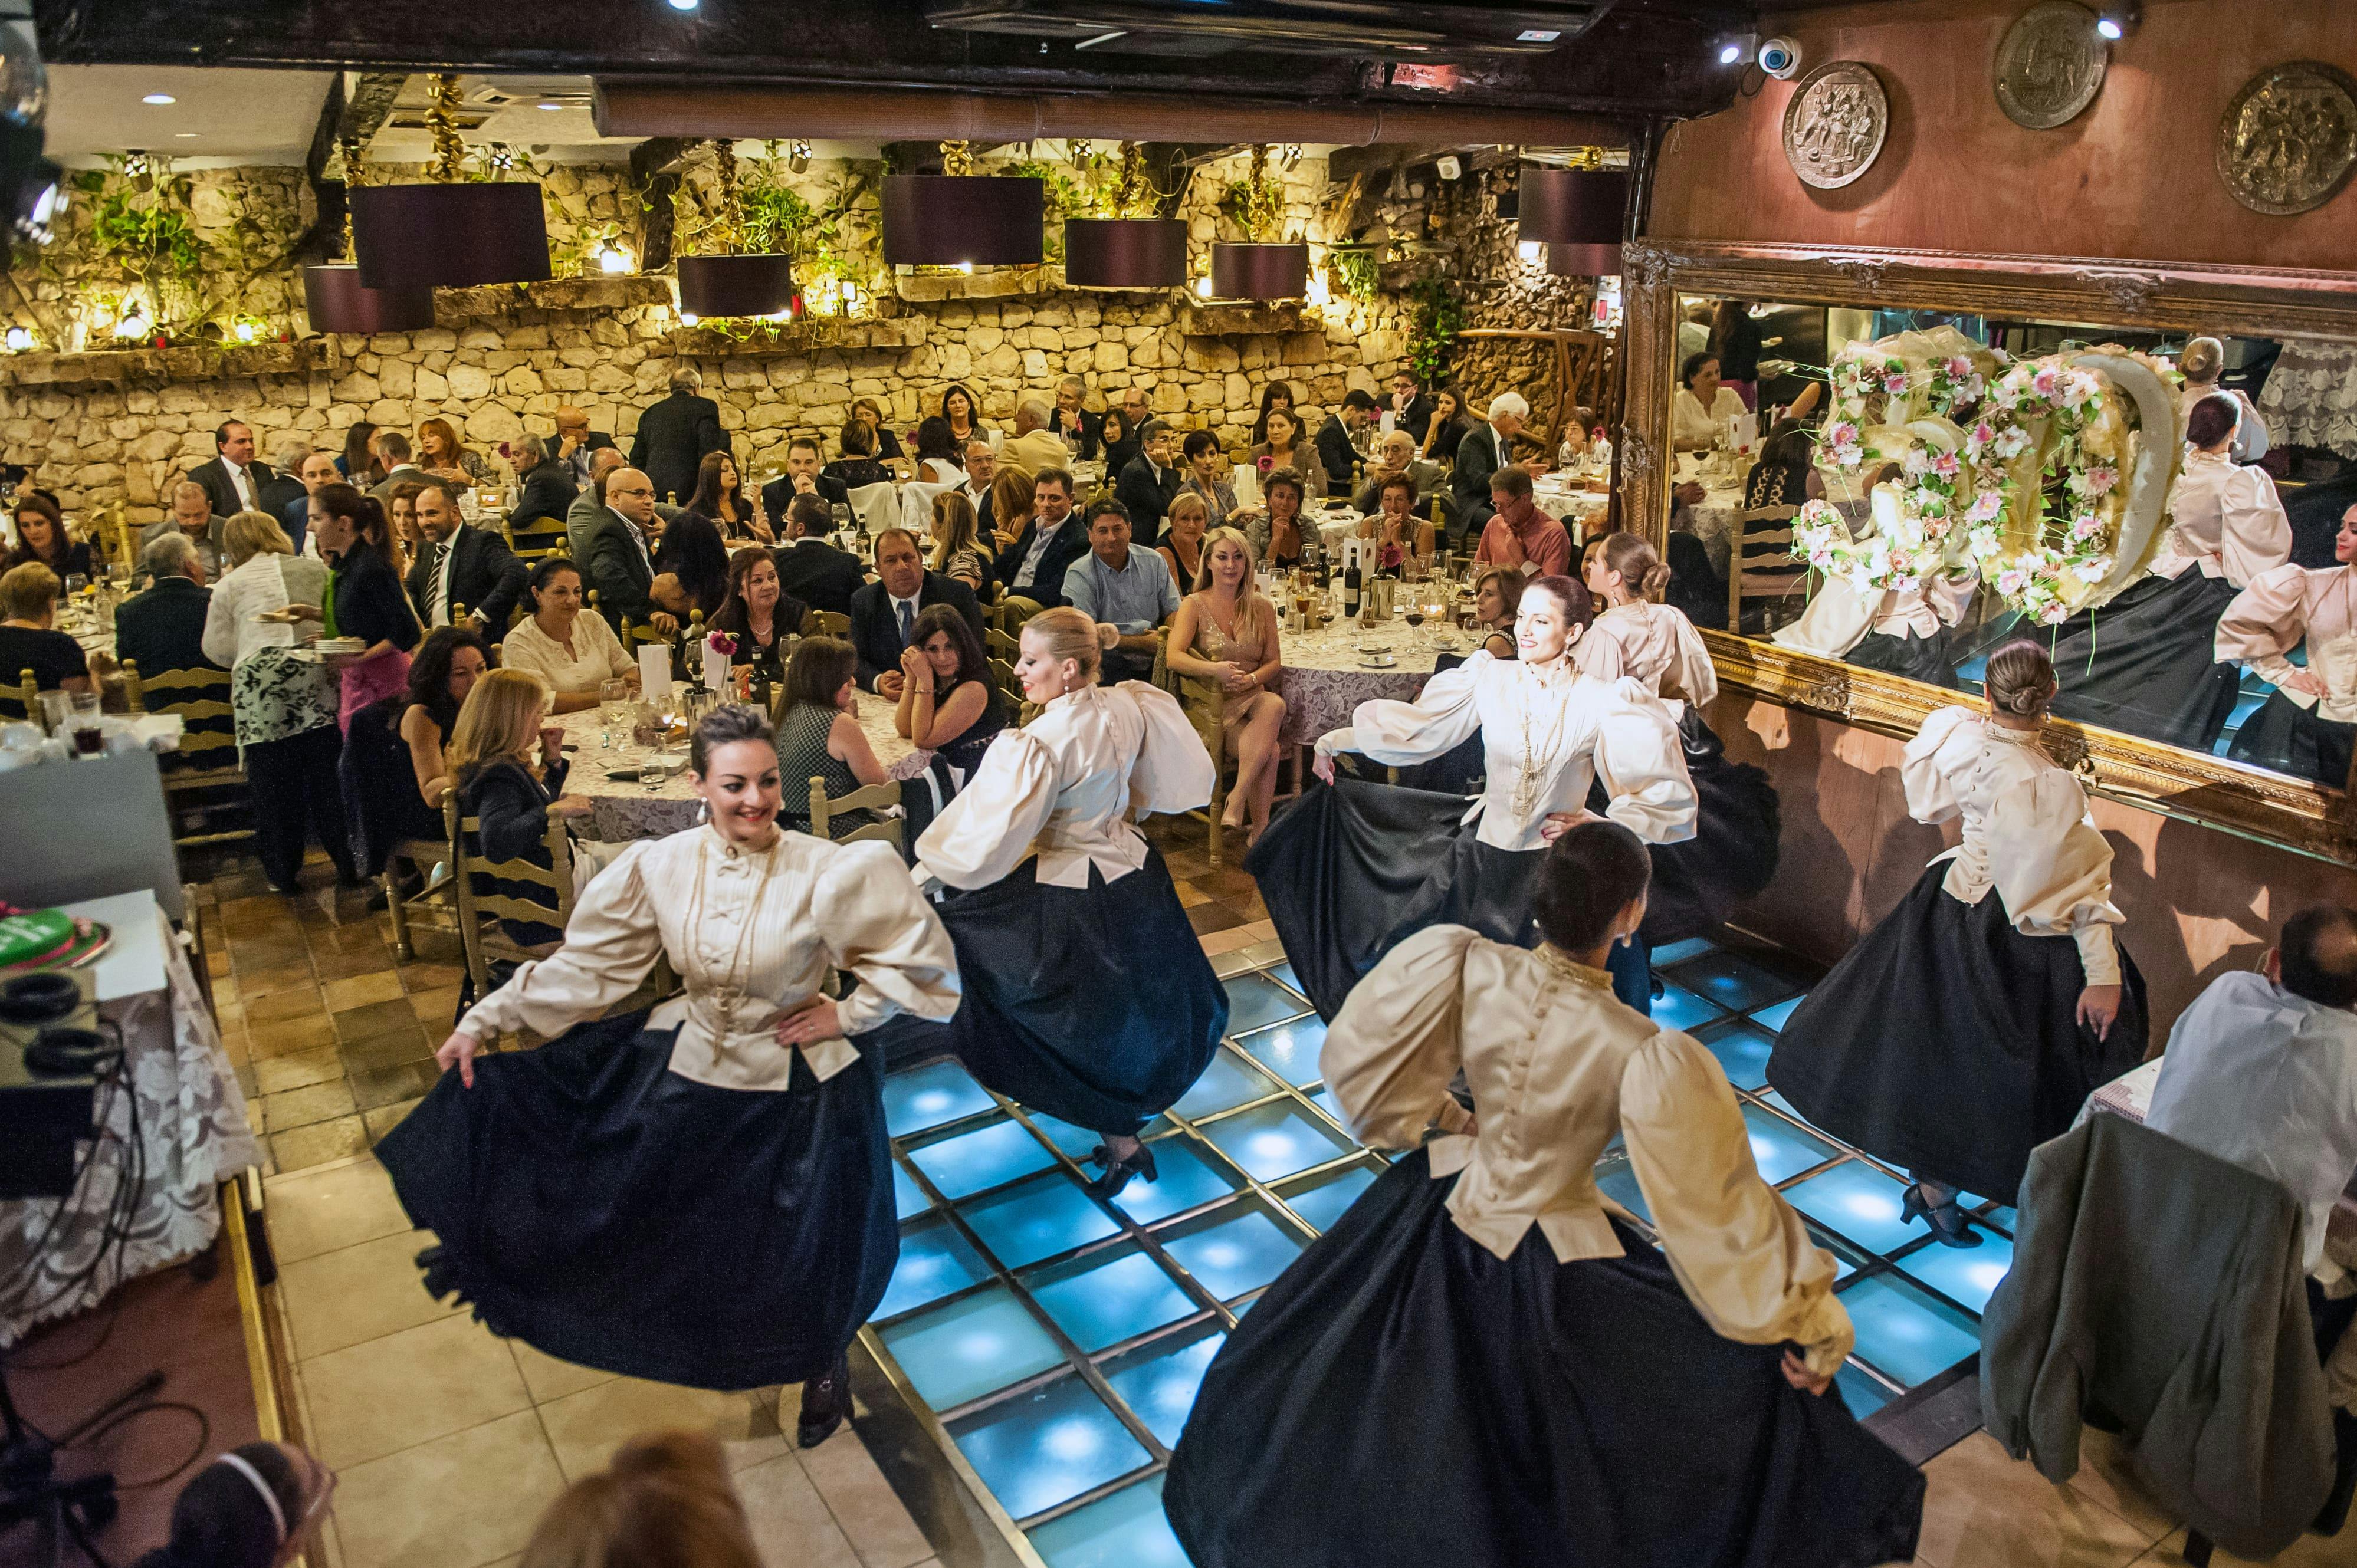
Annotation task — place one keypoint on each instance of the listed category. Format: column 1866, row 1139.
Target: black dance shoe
column 1118, row 1172
column 1948, row 1223
column 826, row 1400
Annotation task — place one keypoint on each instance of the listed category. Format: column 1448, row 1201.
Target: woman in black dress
column 720, row 500
column 858, row 467
column 42, row 536
column 511, row 793
column 691, row 568
column 948, row 705
column 1480, row 1365
column 701, row 1194
column 759, row 619
column 365, row 598
column 1970, row 1025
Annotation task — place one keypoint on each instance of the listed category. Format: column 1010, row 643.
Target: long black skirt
column 1349, row 871
column 1094, row 1003
column 2146, row 663
column 602, row 1209
column 1402, row 1398
column 1931, row 660
column 1948, row 1043
column 2287, row 738
column 1698, row 882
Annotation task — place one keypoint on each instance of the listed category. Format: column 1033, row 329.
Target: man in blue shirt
column 1128, row 589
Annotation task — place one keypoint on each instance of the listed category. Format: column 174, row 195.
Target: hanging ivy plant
column 1256, row 202
column 1358, row 272
column 1437, row 316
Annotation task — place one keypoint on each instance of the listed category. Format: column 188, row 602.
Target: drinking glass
column 75, row 584
column 87, row 737
column 650, row 771
column 614, row 709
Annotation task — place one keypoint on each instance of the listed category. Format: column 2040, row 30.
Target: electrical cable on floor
column 89, row 1440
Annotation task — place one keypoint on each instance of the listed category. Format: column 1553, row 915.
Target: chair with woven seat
column 874, row 798
column 205, row 768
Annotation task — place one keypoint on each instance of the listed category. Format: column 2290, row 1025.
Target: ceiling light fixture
column 798, row 160
column 1203, row 286
column 2117, row 22
column 683, row 4
column 1537, row 36
column 159, row 98
column 551, row 108
column 184, row 136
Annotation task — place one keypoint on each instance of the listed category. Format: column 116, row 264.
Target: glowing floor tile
column 1964, row 1275
column 1775, row 1017
column 1732, row 981
column 1290, row 1050
column 1619, row 1182
column 987, row 1157
column 962, row 1351
column 1107, row 1297
column 1044, row 1216
column 1074, row 1141
column 1741, row 1049
column 1229, row 1081
column 1323, row 1202
column 1186, row 1177
column 1254, row 1001
column 1272, row 1141
column 930, row 1095
column 1906, row 1333
column 1048, row 1446
column 907, row 1196
column 1678, row 1008
column 1678, row 952
column 1847, row 1260
column 1781, row 1150
column 1860, row 1392
column 1240, row 1251
column 1324, row 1099
column 1158, row 1381
column 934, row 1260
column 1776, row 1099
column 1283, row 971
column 1856, row 1200
column 1127, row 1530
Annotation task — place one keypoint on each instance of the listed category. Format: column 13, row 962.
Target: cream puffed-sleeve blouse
column 2287, row 606
column 1655, row 644
column 1556, row 1064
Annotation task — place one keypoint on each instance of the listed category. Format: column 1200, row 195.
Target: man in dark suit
column 674, row 435
column 808, row 568
column 576, row 443
column 546, row 483
column 1338, row 451
column 1150, row 484
column 616, row 554
column 458, row 565
column 286, row 486
column 393, row 450
column 1481, row 453
column 1410, row 409
column 164, row 628
column 1052, row 539
column 232, row 481
column 884, row 613
column 1079, row 429
column 801, row 478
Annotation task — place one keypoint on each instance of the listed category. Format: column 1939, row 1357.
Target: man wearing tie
column 884, row 613
column 460, row 565
column 232, row 481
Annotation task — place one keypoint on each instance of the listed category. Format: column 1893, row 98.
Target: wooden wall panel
column 2131, row 178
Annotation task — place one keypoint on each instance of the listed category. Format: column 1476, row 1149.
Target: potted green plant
column 751, row 274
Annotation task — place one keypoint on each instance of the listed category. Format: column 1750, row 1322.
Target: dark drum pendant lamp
column 736, row 285
column 1260, row 272
column 1125, row 252
column 1577, row 214
column 1583, row 261
column 449, row 236
column 336, row 301
column 963, row 219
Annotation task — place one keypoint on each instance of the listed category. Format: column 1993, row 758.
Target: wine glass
column 614, row 709
column 1415, row 612
column 650, row 771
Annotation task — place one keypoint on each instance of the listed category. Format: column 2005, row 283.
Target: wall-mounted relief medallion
column 1835, row 122
column 2050, row 65
column 2290, row 139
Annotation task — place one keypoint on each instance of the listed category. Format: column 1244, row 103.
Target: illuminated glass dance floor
column 1059, row 1341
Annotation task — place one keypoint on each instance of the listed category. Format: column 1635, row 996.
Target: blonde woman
column 1226, row 632
column 1185, row 527
column 491, row 756
column 959, row 549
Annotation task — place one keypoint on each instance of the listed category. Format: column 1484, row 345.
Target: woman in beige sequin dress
column 1225, row 631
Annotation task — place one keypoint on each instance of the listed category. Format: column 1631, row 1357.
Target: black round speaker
column 71, row 1052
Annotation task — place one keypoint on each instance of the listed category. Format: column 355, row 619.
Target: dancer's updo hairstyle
column 2212, row 420
column 726, row 727
column 222, row 1521
column 2020, row 679
column 1589, row 876
column 1639, row 565
column 1066, row 633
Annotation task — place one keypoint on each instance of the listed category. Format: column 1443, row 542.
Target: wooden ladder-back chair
column 23, row 699
column 825, row 623
column 537, row 540
column 874, row 798
column 1204, row 703
column 479, row 913
column 206, row 765
column 426, row 856
column 1755, row 526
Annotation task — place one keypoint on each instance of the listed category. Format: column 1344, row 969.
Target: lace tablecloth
column 1323, row 680
column 182, row 1114
column 2310, row 397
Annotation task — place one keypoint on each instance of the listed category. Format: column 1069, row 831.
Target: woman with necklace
column 1225, row 631
column 1204, row 481
column 1185, row 528
column 701, row 1194
column 2309, row 727
column 1971, row 1024
column 1355, row 868
column 1732, row 856
column 758, row 618
column 576, row 654
column 1480, row 1363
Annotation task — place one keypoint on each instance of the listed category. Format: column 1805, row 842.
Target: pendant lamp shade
column 963, row 219
column 336, row 301
column 1125, row 252
column 449, row 236
column 1583, row 261
column 1260, row 272
column 736, row 285
column 1573, row 207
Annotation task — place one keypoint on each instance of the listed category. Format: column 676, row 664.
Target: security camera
column 1450, row 168
column 1781, row 58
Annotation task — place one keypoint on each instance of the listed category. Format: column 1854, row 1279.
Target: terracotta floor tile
column 386, row 1394
column 1191, row 896
column 428, row 974
column 872, row 1516
column 377, row 1088
column 435, row 1007
column 342, row 995
column 1985, row 1510
column 279, row 953
column 263, row 983
column 2308, row 1552
column 357, row 1293
column 790, row 1524
column 1226, row 882
column 550, row 1379
column 290, row 1037
column 1209, row 917
column 385, row 1118
column 2105, row 1477
column 387, row 1050
column 276, row 1075
column 393, row 1018
column 293, row 1001
column 351, row 965
column 307, row 1106
column 455, row 1502
column 319, row 1144
column 315, row 1211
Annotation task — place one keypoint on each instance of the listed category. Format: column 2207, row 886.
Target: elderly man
column 1136, row 412
column 576, row 443
column 164, row 628
column 392, row 449
column 232, row 481
column 674, row 435
column 1033, row 446
column 1518, row 533
column 319, row 471
column 1128, row 589
column 1396, row 457
column 587, row 507
column 192, row 515
column 801, row 477
column 1480, row 454
column 884, row 613
column 981, row 470
column 1071, row 422
column 286, row 486
column 458, row 565
column 617, row 552
column 545, row 481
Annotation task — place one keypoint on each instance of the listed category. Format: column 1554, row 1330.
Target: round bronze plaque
column 1835, row 122
column 2050, row 65
column 2290, row 139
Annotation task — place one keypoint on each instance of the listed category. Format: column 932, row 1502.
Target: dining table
column 1325, row 674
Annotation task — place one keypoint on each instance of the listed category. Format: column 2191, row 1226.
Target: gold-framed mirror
column 1997, row 449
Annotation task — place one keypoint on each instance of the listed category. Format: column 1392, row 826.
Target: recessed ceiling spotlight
column 184, row 136
column 683, row 4
column 159, row 98
column 1538, row 36
column 2117, row 22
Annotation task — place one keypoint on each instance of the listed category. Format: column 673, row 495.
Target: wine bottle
column 1351, row 583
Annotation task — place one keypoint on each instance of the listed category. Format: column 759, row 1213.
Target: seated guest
column 1518, row 533
column 441, row 453
column 581, row 517
column 883, row 444
column 819, row 735
column 884, row 613
column 285, row 486
column 544, row 487
column 1704, row 411
column 358, row 465
column 1182, row 542
column 393, row 456
column 1338, row 438
column 318, row 472
column 720, row 499
column 1786, row 474
column 576, row 446
column 810, row 570
column 1205, row 458
column 1128, row 589
column 42, row 536
column 1051, row 536
column 666, row 1502
column 619, row 559
column 1411, row 411
column 963, row 413
column 509, row 792
column 230, row 479
column 1394, row 526
column 801, row 477
column 448, row 664
column 1482, row 453
column 1497, row 596
column 164, row 628
column 758, row 620
column 858, row 467
column 981, row 473
column 1034, row 446
column 575, row 654
column 937, row 453
column 947, row 703
column 691, row 568
column 960, row 548
column 1396, row 454
column 191, row 514
column 461, row 567
column 1274, row 396
column 1117, row 439
column 1286, row 447
column 1071, row 422
column 28, row 603
column 1146, row 486
column 259, row 1505
column 1444, row 431
column 1226, row 633
column 409, row 545
column 1276, row 532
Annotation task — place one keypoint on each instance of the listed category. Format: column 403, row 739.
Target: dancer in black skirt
column 1349, row 870
column 2144, row 663
column 1481, row 1365
column 1698, row 881
column 702, row 1194
column 1970, row 1025
column 2308, row 726
column 1088, row 995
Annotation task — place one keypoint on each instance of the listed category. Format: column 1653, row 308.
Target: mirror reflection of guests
column 1704, row 413
column 1351, row 869
column 1088, row 995
column 2201, row 363
column 2308, row 726
column 1966, row 1029
column 1478, row 1333
column 553, row 1176
column 2144, row 661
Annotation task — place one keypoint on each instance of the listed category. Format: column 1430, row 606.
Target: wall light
column 159, row 98
column 551, row 108
column 2117, row 22
column 244, row 330
column 966, row 267
column 687, row 318
column 613, row 259
column 1531, row 251
column 1318, row 291
column 799, row 158
column 1203, row 286
column 133, row 325
column 683, row 4
column 19, row 339
column 1730, row 53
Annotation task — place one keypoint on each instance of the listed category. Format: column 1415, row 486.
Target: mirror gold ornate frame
column 2209, row 790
